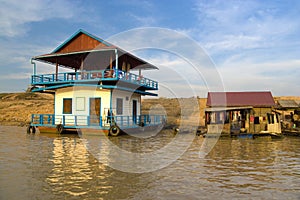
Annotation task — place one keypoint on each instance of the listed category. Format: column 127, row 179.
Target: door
column 95, row 108
column 134, row 110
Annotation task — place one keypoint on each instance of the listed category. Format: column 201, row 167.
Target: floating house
column 287, row 109
column 94, row 87
column 234, row 113
column 290, row 110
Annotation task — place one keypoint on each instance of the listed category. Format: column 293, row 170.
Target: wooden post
column 81, row 69
column 117, row 64
column 110, row 63
column 56, row 71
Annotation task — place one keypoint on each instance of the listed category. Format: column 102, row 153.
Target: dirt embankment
column 16, row 108
column 178, row 111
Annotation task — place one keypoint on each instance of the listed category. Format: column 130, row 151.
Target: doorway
column 95, row 111
column 134, row 110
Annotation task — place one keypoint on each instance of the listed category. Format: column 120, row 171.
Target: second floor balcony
column 92, row 77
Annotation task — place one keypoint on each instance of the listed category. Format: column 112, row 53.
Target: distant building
column 289, row 112
column 241, row 112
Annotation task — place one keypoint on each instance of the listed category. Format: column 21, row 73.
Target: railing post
column 117, row 73
column 48, row 119
column 75, row 120
column 64, row 120
column 41, row 119
column 53, row 119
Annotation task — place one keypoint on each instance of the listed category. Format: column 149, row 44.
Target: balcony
column 84, row 121
column 93, row 76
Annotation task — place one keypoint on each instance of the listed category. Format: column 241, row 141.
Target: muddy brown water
column 60, row 167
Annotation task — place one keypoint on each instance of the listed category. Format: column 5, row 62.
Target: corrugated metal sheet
column 287, row 104
column 255, row 99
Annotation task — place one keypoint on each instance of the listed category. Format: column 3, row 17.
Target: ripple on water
column 60, row 167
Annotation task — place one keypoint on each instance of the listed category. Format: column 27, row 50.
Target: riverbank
column 16, row 108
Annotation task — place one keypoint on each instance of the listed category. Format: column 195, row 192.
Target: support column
column 34, row 67
column 117, row 63
column 56, row 71
column 81, row 65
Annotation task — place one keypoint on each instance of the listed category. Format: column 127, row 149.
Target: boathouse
column 241, row 112
column 96, row 86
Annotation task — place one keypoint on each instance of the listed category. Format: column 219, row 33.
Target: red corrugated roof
column 255, row 99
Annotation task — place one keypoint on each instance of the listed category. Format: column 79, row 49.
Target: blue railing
column 95, row 121
column 112, row 75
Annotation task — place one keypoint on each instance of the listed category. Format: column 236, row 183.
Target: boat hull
column 146, row 130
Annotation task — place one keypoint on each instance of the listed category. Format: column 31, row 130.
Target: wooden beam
column 56, row 71
column 110, row 63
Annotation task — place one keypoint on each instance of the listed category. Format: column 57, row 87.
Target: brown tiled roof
column 255, row 99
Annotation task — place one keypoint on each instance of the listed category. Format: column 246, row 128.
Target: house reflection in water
column 241, row 112
column 74, row 169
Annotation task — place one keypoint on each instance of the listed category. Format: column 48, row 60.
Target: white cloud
column 278, row 77
column 180, row 78
column 15, row 15
column 233, row 42
column 253, row 43
column 15, row 76
column 143, row 20
column 236, row 25
column 14, row 54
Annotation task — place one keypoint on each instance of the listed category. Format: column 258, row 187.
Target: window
column 67, row 106
column 80, row 103
column 119, row 106
column 270, row 118
column 256, row 120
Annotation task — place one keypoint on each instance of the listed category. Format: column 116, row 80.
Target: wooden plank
column 81, row 43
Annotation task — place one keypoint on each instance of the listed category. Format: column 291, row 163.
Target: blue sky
column 254, row 45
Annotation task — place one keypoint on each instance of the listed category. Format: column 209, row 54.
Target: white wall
column 80, row 95
column 81, row 98
column 127, row 104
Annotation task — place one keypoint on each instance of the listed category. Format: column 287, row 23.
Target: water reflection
column 60, row 167
column 71, row 169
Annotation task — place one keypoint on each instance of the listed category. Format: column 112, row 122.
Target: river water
column 60, row 167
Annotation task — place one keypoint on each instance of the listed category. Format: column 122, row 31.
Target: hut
column 233, row 113
column 289, row 110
